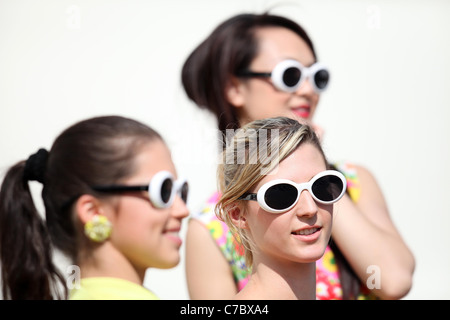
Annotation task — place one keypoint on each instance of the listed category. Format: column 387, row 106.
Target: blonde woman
column 278, row 202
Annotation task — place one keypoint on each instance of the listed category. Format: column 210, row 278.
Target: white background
column 387, row 107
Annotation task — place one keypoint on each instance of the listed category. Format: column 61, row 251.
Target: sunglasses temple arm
column 248, row 196
column 253, row 74
column 118, row 188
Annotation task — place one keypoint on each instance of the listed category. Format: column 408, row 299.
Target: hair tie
column 35, row 166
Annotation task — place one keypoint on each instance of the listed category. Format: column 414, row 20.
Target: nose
column 306, row 89
column 306, row 206
column 179, row 208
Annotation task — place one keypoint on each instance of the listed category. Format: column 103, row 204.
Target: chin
column 166, row 263
column 312, row 254
column 170, row 264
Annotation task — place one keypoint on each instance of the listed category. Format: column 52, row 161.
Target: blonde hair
column 246, row 160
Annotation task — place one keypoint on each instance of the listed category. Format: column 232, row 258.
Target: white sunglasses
column 281, row 195
column 161, row 189
column 288, row 75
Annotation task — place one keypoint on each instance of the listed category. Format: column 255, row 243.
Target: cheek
column 138, row 222
column 314, row 103
column 326, row 216
column 265, row 228
column 264, row 102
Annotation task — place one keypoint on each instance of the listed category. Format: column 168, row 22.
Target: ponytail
column 95, row 151
column 27, row 267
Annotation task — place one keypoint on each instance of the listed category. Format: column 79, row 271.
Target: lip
column 173, row 235
column 302, row 111
column 307, row 237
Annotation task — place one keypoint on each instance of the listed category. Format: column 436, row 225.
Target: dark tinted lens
column 281, row 196
column 166, row 190
column 327, row 188
column 291, row 76
column 184, row 191
column 321, row 78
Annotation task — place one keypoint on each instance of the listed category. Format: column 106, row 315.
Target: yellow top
column 106, row 288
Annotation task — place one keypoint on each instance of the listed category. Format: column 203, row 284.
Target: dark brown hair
column 230, row 48
column 99, row 150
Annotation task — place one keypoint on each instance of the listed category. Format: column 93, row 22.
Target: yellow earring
column 98, row 229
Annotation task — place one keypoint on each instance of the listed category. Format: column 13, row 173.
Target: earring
column 98, row 229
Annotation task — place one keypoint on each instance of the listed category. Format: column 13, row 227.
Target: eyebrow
column 306, row 65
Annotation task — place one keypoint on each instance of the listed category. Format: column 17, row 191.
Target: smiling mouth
column 306, row 232
column 302, row 112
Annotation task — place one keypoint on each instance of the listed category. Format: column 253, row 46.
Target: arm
column 208, row 273
column 367, row 236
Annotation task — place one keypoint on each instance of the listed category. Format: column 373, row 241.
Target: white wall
column 387, row 108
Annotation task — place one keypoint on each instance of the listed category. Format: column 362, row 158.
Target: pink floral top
column 328, row 286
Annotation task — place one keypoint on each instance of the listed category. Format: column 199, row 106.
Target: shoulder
column 207, row 214
column 208, row 210
column 359, row 175
column 352, row 172
column 362, row 186
column 349, row 169
column 358, row 178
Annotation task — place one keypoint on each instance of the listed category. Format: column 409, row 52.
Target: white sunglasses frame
column 300, row 187
column 306, row 73
column 155, row 185
column 153, row 188
column 277, row 75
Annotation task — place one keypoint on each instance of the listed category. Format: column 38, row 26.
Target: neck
column 275, row 280
column 106, row 261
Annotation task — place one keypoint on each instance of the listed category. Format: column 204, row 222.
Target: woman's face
column 257, row 98
column 148, row 236
column 276, row 236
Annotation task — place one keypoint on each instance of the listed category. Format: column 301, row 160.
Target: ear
column 237, row 216
column 87, row 206
column 234, row 92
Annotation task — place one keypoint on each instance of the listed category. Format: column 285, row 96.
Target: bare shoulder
column 363, row 172
column 199, row 239
column 196, row 227
column 208, row 273
column 370, row 189
column 372, row 202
